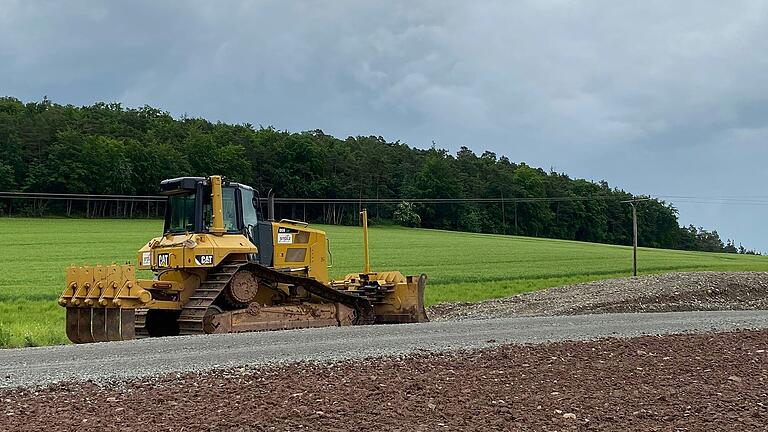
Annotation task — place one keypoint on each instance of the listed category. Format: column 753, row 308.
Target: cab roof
column 186, row 184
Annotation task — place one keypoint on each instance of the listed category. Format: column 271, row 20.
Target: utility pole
column 634, row 239
column 634, row 232
column 503, row 216
column 516, row 233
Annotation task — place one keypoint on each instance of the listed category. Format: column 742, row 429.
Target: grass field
column 461, row 266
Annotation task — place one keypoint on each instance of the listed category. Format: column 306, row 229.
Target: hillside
column 109, row 149
column 461, row 266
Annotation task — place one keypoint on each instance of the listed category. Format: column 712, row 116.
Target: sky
column 665, row 98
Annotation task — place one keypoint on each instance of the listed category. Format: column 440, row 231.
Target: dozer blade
column 395, row 298
column 420, row 312
column 405, row 304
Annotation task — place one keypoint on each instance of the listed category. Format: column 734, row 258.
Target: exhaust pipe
column 271, row 205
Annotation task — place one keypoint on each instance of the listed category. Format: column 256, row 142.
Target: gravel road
column 154, row 357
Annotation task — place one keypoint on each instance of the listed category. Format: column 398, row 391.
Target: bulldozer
column 220, row 267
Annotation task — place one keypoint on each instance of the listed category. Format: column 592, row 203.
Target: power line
column 441, row 200
column 682, row 199
column 714, row 200
column 112, row 197
column 93, row 197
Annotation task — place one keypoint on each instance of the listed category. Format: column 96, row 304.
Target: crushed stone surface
column 673, row 292
column 698, row 382
column 157, row 356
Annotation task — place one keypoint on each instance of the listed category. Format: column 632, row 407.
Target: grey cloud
column 656, row 96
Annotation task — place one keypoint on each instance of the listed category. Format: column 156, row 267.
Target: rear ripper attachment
column 219, row 268
column 101, row 302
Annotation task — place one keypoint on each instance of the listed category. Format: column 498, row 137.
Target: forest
column 109, row 149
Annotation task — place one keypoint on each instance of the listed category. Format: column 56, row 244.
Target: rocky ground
column 670, row 383
column 672, row 292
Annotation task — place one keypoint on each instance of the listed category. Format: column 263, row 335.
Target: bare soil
column 674, row 292
column 670, row 383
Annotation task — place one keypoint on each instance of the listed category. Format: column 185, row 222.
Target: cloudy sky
column 668, row 98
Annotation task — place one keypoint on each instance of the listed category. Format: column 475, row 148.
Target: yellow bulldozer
column 220, row 268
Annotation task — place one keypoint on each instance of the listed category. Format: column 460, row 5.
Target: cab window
column 249, row 211
column 228, row 206
column 180, row 213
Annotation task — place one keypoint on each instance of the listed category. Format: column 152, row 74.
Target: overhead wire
column 686, row 199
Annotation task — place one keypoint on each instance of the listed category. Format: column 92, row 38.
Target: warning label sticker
column 284, row 238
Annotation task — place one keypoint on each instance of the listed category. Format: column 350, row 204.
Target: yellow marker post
column 367, row 268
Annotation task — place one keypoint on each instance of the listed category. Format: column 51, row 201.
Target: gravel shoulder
column 668, row 383
column 673, row 292
column 103, row 362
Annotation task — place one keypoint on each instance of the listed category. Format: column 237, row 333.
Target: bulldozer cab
column 193, row 207
column 212, row 205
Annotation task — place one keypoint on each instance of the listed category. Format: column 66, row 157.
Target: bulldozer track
column 140, row 324
column 362, row 306
column 193, row 312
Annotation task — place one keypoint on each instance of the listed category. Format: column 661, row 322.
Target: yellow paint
column 183, row 249
column 300, row 237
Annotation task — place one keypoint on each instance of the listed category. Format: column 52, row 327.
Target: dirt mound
column 679, row 382
column 673, row 292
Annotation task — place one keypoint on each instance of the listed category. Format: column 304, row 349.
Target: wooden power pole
column 634, row 240
column 634, row 232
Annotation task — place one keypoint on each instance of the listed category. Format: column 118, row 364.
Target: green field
column 461, row 266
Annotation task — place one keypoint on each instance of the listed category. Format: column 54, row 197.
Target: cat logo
column 162, row 260
column 203, row 260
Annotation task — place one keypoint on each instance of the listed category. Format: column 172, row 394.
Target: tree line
column 110, row 149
